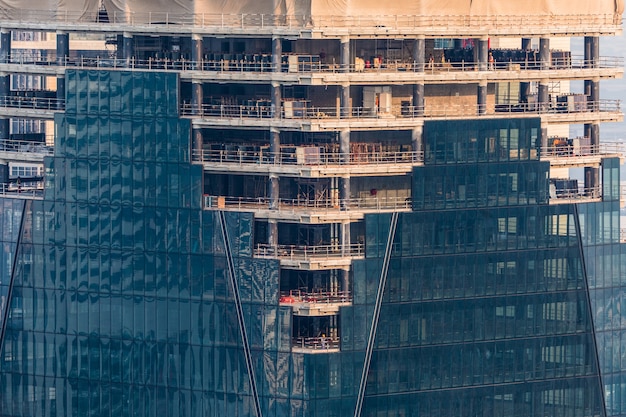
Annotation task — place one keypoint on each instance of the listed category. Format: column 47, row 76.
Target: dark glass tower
column 123, row 296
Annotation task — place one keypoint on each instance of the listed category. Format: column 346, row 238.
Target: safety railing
column 289, row 157
column 24, row 146
column 294, row 205
column 369, row 113
column 263, row 64
column 315, row 297
column 569, row 149
column 426, row 21
column 574, row 194
column 317, row 343
column 309, row 252
column 14, row 190
column 35, row 103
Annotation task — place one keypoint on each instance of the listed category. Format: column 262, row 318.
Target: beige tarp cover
column 84, row 10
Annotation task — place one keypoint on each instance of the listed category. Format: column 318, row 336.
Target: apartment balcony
column 393, row 117
column 315, row 303
column 569, row 154
column 309, row 211
column 24, row 151
column 312, row 257
column 308, row 161
column 308, row 70
column 316, row 344
column 30, row 107
column 567, row 191
column 13, row 190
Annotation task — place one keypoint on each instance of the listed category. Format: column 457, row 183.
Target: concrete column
column 4, row 128
column 128, row 49
column 277, row 52
column 5, row 46
column 344, row 101
column 272, row 233
column 5, row 85
column 483, row 53
column 274, row 193
column 4, row 172
column 196, row 51
column 344, row 181
column 345, row 281
column 543, row 98
column 345, row 237
column 418, row 99
column 419, row 54
column 197, row 144
column 276, row 100
column 544, row 53
column 344, row 54
column 594, row 94
column 417, row 143
column 197, row 96
column 275, row 145
column 63, row 47
column 60, row 91
column 482, row 97
column 544, row 138
column 592, row 181
column 592, row 51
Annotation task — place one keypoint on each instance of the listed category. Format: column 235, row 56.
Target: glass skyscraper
column 241, row 225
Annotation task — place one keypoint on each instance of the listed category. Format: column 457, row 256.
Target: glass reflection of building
column 184, row 260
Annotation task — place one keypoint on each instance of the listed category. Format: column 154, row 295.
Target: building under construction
column 309, row 208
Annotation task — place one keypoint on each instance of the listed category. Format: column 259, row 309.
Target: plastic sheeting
column 44, row 10
column 183, row 10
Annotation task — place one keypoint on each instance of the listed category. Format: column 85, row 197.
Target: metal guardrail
column 23, row 146
column 265, row 64
column 405, row 112
column 317, row 343
column 382, row 23
column 290, row 158
column 37, row 103
column 315, row 297
column 294, row 205
column 309, row 252
column 17, row 191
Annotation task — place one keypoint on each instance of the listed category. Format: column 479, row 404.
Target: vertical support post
column 197, row 144
column 345, row 281
column 5, row 46
column 418, row 99
column 544, row 137
column 524, row 87
column 274, row 191
column 345, row 238
column 482, row 97
column 417, row 142
column 544, row 53
column 344, row 182
column 63, row 47
column 276, row 100
column 543, row 98
column 5, row 80
column 60, row 91
column 592, row 175
column 128, row 48
column 196, row 51
column 4, row 172
column 275, row 145
column 592, row 51
column 344, row 54
column 419, row 54
column 197, row 97
column 277, row 53
column 483, row 53
column 272, row 233
column 344, row 101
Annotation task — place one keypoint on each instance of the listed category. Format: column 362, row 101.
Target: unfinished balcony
column 24, row 151
column 578, row 152
column 315, row 303
column 310, row 211
column 307, row 161
column 312, row 257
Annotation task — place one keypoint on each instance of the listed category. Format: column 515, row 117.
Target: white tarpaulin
column 185, row 11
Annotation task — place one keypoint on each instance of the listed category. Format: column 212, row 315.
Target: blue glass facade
column 129, row 299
